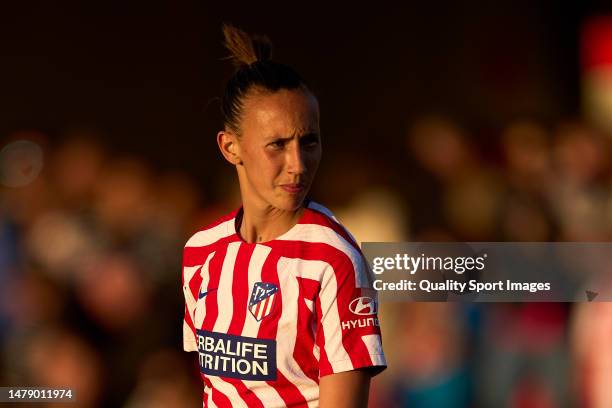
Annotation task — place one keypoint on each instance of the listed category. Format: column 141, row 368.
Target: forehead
column 282, row 113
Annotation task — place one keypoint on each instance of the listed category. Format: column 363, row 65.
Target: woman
column 278, row 299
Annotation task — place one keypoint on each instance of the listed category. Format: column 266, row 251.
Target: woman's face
column 279, row 148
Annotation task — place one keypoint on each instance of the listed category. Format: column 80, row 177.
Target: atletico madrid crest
column 262, row 299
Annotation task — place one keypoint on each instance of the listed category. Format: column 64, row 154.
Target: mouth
column 293, row 188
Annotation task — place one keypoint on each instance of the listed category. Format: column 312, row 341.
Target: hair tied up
column 251, row 56
column 246, row 49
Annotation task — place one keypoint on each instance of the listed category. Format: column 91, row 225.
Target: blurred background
column 488, row 121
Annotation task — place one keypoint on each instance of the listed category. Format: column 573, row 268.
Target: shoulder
column 320, row 226
column 213, row 232
column 319, row 222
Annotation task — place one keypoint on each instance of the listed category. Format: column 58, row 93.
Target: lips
column 293, row 188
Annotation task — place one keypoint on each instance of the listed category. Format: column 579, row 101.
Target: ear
column 230, row 149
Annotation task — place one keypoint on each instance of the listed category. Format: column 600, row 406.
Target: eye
column 277, row 144
column 310, row 141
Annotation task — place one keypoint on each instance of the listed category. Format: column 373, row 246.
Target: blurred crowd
column 90, row 255
column 90, row 275
column 527, row 182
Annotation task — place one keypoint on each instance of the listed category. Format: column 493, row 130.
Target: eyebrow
column 284, row 138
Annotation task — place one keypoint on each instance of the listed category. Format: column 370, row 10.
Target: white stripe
column 322, row 209
column 304, row 268
column 267, row 394
column 261, row 308
column 200, row 310
column 258, row 258
column 373, row 344
column 317, row 352
column 209, row 400
column 190, row 301
column 189, row 342
column 228, row 390
column 318, row 233
column 212, row 235
column 269, row 397
column 225, row 300
column 270, row 303
column 286, row 337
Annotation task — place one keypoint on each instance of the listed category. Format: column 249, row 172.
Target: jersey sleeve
column 189, row 331
column 348, row 330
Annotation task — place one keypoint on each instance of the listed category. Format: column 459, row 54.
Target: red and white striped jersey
column 269, row 319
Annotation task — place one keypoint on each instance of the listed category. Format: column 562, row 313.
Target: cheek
column 255, row 158
column 265, row 167
column 312, row 159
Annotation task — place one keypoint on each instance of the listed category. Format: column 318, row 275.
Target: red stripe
column 220, row 399
column 197, row 255
column 264, row 307
column 268, row 329
column 310, row 288
column 303, row 352
column 272, row 298
column 240, row 289
column 187, row 318
column 195, row 283
column 288, row 391
column 216, row 265
column 257, row 311
column 246, row 394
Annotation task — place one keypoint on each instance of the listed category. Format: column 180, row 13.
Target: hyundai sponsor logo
column 363, row 306
column 363, row 322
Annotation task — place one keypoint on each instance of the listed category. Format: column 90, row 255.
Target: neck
column 267, row 223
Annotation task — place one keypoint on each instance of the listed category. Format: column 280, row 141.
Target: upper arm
column 348, row 389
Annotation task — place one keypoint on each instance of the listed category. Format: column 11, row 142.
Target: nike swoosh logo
column 203, row 294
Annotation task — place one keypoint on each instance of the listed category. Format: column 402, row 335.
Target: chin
column 290, row 204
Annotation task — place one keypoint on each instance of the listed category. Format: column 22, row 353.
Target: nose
column 295, row 159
